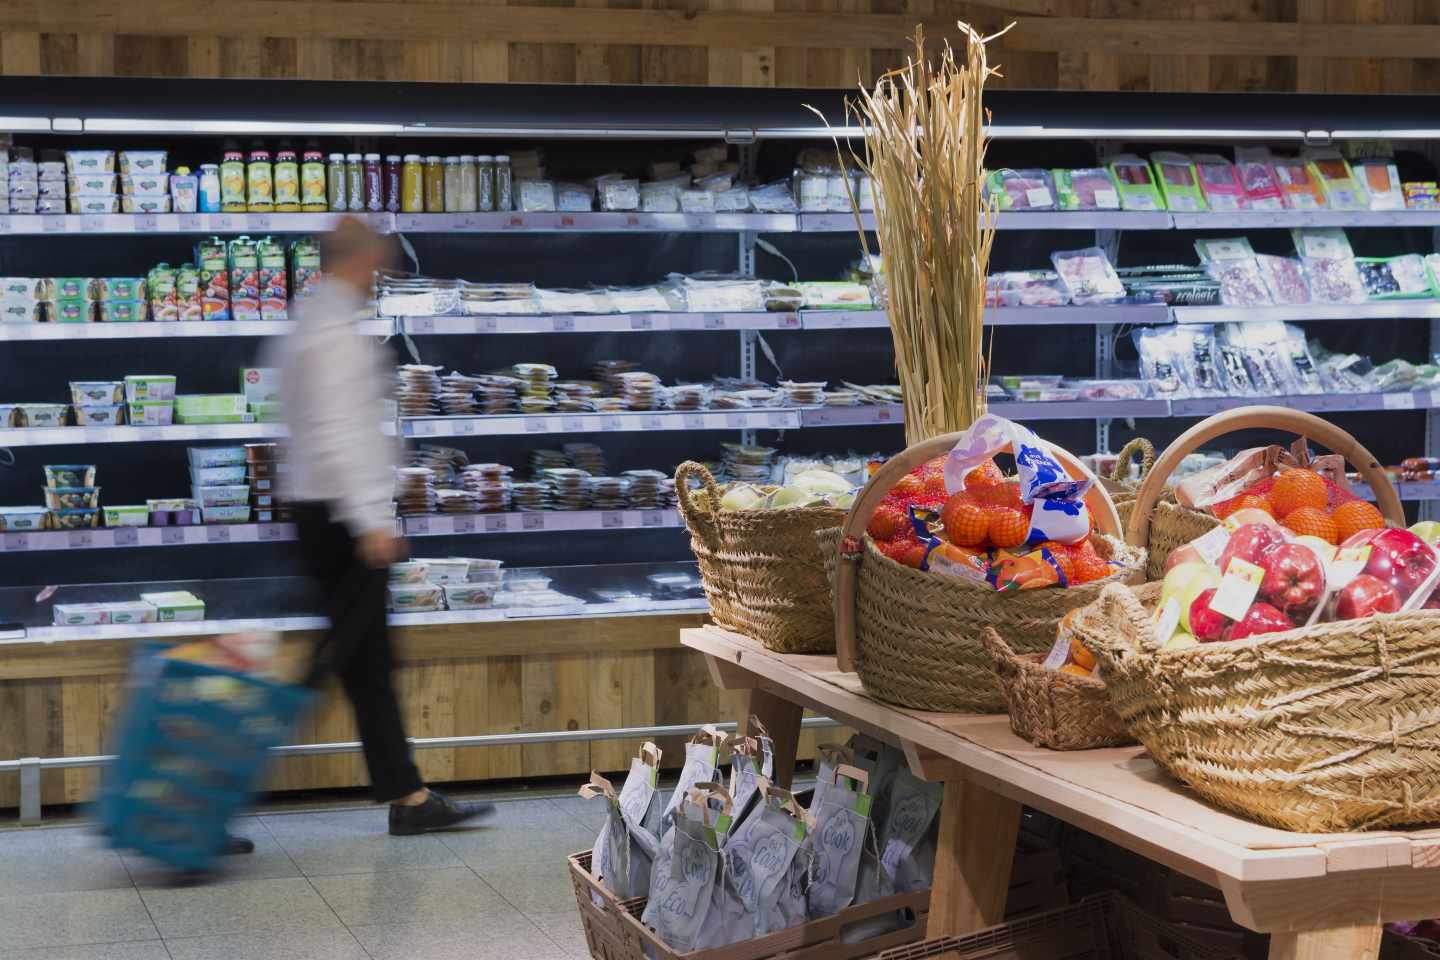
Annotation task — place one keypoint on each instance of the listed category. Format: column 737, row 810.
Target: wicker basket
column 763, row 573
column 914, row 636
column 1323, row 728
column 1053, row 709
column 1122, row 490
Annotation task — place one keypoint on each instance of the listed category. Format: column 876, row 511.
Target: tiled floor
column 321, row 885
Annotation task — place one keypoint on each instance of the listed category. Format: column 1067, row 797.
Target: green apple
column 787, row 497
column 1181, row 641
column 1324, row 549
column 1184, row 583
column 741, row 497
column 821, row 482
column 1427, row 530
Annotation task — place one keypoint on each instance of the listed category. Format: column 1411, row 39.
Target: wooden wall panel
column 1362, row 46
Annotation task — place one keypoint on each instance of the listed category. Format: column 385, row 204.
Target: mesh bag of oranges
column 1285, row 666
column 943, row 543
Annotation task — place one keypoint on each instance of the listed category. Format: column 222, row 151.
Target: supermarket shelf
column 512, row 425
column 599, row 323
column 882, row 413
column 1078, row 409
column 1261, row 219
column 62, row 436
column 203, row 628
column 441, row 525
column 150, row 330
column 1038, row 220
column 179, row 223
column 1408, row 490
column 594, row 222
column 1419, row 309
column 1320, row 403
column 110, row 537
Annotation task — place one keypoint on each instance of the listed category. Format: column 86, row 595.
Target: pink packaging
column 1257, row 176
column 1219, row 182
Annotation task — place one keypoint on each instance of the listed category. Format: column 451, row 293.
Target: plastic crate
column 192, row 749
column 1104, row 927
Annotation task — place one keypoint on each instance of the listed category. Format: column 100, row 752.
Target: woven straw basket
column 1053, row 709
column 1122, row 490
column 763, row 572
column 914, row 636
column 1324, row 728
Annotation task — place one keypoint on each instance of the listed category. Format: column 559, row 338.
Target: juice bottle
column 453, row 185
column 287, row 182
column 312, row 183
column 232, row 182
column 354, row 181
column 392, row 183
column 374, row 184
column 412, row 186
column 209, row 188
column 260, row 182
column 434, row 185
column 335, row 183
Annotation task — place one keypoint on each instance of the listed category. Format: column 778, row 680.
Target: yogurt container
column 97, row 203
column 215, row 456
column 7, row 415
column 71, row 498
column 525, row 581
column 414, row 597
column 118, row 288
column 145, row 185
column 73, row 310
column 70, row 475
column 84, row 162
column 127, row 516
column 147, row 162
column 468, row 596
column 229, row 513
column 99, row 414
column 175, row 605
column 97, row 391
column 448, row 571
column 138, row 204
column 92, row 184
column 222, row 495
column 152, row 413
column 98, row 614
column 41, row 414
column 22, row 518
column 144, row 387
column 212, row 476
column 408, row 572
column 121, row 311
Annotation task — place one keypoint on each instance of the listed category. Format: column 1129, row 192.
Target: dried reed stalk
column 925, row 142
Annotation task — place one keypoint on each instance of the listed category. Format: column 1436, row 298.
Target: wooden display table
column 1320, row 896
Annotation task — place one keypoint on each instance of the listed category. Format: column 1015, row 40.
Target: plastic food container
column 448, row 571
column 415, row 597
column 7, row 415
column 97, row 391
column 22, row 518
column 121, row 311
column 140, row 204
column 172, row 605
column 409, row 571
column 214, row 476
column 146, row 387
column 222, row 495
column 150, row 185
column 215, row 456
column 75, row 519
column 525, row 581
column 74, row 310
column 152, row 413
column 118, row 288
column 128, row 516
column 173, row 512
column 92, row 184
column 84, row 162
column 94, row 204
column 468, row 596
column 230, row 513
column 72, row 498
column 41, row 414
column 70, row 475
column 136, row 162
column 99, row 414
column 97, row 614
column 189, row 405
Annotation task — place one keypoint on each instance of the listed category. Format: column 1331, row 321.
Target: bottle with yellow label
column 313, row 198
column 260, row 182
column 287, row 182
column 412, row 190
column 232, row 182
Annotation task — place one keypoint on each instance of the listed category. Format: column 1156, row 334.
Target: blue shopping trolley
column 192, row 750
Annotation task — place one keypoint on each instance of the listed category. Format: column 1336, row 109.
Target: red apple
column 1260, row 618
column 1249, row 542
column 1364, row 595
column 1205, row 624
column 1400, row 558
column 1294, row 579
column 1185, row 554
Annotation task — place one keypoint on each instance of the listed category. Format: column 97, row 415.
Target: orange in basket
column 1008, row 526
column 966, row 523
column 1350, row 518
column 1313, row 522
column 1296, row 488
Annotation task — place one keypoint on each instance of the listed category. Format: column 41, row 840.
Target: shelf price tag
column 537, row 425
column 694, row 421
column 260, row 221
column 566, row 220
column 468, row 221
column 737, row 421
column 172, row 536
column 4, row 223
column 126, row 536
column 562, row 324
column 222, row 221
column 788, row 321
column 270, row 532
column 884, row 415
column 641, row 321
column 652, row 423
column 712, row 321
column 190, row 221
column 779, row 420
column 516, row 221
column 421, row 324
column 417, row 526
column 532, row 521
column 573, row 425
column 652, row 518
column 422, row 428
column 217, row 534
column 1398, row 401
column 1435, row 398
column 80, row 539
column 497, row 523
column 611, row 520
column 610, row 423
column 53, row 223
column 14, row 542
column 486, row 325
column 464, row 525
column 147, row 222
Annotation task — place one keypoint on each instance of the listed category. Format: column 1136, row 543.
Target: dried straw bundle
column 925, row 154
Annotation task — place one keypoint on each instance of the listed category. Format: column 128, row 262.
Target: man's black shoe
column 438, row 812
column 237, row 845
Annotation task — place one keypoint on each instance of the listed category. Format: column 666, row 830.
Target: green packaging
column 1136, row 182
column 1179, row 182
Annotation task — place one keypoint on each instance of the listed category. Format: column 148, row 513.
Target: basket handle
column 1130, row 621
column 1252, row 418
column 1139, row 445
column 1102, row 508
column 996, row 645
column 702, row 518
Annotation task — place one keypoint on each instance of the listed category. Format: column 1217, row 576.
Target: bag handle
column 1139, row 445
column 1102, row 508
column 786, row 802
column 597, row 787
column 1257, row 418
column 756, row 729
column 700, row 519
column 851, row 773
column 650, row 755
column 701, row 792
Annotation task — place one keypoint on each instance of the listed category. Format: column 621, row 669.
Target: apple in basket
column 1260, row 618
column 1364, row 595
column 1294, row 579
column 1398, row 557
column 1206, row 625
column 1250, row 542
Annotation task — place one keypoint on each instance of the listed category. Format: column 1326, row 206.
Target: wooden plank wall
column 1363, row 46
column 62, row 700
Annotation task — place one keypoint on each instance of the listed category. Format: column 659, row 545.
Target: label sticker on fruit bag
column 1059, row 653
column 1212, row 545
column 1238, row 586
column 1346, row 566
column 1166, row 620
